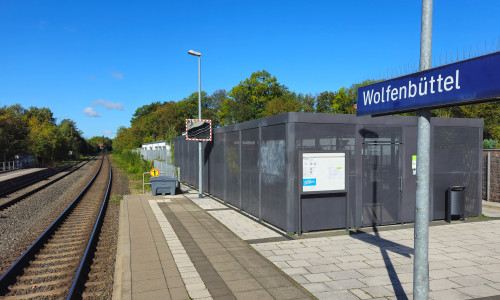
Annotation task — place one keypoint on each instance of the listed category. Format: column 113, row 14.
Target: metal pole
column 488, row 176
column 200, row 143
column 421, row 259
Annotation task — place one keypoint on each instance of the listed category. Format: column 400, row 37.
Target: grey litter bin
column 163, row 185
column 456, row 202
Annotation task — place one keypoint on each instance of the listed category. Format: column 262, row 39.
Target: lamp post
column 200, row 143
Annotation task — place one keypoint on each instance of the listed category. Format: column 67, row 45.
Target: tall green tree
column 144, row 111
column 324, row 102
column 248, row 99
column 14, row 128
column 308, row 102
column 286, row 103
column 41, row 114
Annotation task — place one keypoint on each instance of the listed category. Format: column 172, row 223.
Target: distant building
column 156, row 145
column 24, row 160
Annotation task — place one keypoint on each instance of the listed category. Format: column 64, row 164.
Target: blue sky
column 96, row 62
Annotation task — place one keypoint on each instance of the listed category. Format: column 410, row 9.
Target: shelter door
column 381, row 181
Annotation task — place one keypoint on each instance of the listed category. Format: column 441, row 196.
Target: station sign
column 471, row 81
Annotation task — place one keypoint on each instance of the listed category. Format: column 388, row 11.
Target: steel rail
column 17, row 199
column 10, row 275
column 76, row 287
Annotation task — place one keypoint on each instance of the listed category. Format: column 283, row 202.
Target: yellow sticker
column 154, row 172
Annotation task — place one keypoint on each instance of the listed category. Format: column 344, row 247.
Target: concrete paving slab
column 464, row 257
column 170, row 250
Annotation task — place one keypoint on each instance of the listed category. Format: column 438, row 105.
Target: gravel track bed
column 23, row 223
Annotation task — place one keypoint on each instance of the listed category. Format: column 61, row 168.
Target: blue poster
column 309, row 182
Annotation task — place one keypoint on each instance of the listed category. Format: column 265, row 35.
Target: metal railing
column 12, row 165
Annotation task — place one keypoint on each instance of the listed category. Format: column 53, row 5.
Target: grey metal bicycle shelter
column 254, row 166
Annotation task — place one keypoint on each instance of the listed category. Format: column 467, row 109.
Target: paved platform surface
column 171, row 248
column 7, row 175
column 491, row 209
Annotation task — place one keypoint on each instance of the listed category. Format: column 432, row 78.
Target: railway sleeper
column 58, row 262
column 54, row 256
column 43, row 279
column 66, row 239
column 92, row 282
column 63, row 246
column 32, row 292
column 60, row 268
column 72, row 231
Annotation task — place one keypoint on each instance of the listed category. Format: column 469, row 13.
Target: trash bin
column 163, row 185
column 456, row 202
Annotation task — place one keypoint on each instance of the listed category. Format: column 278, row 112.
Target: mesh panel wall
column 250, row 146
column 256, row 173
column 381, row 171
column 217, row 166
column 232, row 153
column 327, row 211
column 272, row 164
column 456, row 162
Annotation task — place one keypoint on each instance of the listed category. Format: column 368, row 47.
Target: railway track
column 11, row 186
column 57, row 263
column 37, row 184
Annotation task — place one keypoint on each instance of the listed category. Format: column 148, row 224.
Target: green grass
column 115, row 199
column 482, row 216
column 132, row 163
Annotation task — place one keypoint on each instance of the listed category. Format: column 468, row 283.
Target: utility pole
column 421, row 257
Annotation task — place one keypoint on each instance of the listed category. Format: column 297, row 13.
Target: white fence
column 162, row 159
column 13, row 165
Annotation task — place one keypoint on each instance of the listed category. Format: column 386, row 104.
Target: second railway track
column 50, row 267
column 38, row 184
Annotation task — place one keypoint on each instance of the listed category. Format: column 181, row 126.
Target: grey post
column 200, row 143
column 421, row 259
column 488, row 176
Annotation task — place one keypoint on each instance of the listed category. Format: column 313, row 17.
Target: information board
column 323, row 172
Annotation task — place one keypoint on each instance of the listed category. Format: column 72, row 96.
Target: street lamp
column 200, row 143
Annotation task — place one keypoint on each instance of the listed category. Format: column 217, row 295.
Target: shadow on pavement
column 385, row 246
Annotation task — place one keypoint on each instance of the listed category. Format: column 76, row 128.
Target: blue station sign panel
column 470, row 81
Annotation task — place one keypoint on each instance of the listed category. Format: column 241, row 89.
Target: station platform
column 8, row 175
column 182, row 247
column 169, row 247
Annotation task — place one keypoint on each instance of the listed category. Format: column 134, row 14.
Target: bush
column 490, row 144
column 132, row 163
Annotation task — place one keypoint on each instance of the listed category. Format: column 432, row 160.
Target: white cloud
column 108, row 104
column 117, row 75
column 107, row 132
column 89, row 111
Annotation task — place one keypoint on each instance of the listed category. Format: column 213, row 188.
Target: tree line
column 35, row 131
column 261, row 95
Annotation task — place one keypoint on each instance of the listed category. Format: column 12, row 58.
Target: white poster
column 323, row 172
